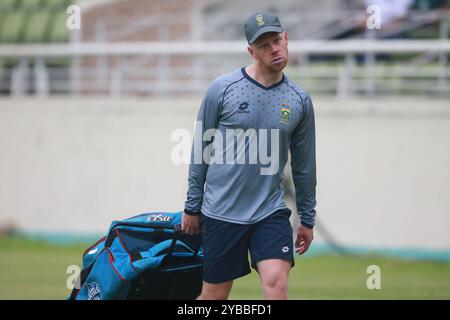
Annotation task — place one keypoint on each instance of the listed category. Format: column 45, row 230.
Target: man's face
column 270, row 51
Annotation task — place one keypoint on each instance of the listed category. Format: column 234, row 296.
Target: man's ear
column 286, row 36
column 251, row 52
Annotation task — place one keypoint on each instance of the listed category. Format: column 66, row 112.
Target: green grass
column 339, row 277
column 37, row 270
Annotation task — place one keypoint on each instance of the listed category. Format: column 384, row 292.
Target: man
column 236, row 198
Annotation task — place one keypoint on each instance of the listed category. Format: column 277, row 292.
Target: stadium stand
column 152, row 21
column 28, row 22
column 33, row 21
column 56, row 33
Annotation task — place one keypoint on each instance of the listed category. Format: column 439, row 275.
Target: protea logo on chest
column 285, row 112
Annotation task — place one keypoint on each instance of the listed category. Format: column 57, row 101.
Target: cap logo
column 259, row 20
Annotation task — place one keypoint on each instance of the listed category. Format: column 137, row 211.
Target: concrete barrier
column 74, row 164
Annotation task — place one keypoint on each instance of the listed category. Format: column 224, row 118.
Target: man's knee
column 276, row 282
column 274, row 278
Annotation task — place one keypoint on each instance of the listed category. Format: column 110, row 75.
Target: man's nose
column 274, row 49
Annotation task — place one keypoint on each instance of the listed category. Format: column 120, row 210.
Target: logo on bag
column 93, row 251
column 94, row 291
column 159, row 217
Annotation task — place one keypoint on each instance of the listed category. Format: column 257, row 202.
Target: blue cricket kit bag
column 142, row 257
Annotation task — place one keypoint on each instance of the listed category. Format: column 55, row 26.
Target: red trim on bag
column 111, row 260
column 121, row 242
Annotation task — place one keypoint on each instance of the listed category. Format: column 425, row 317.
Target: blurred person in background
column 238, row 208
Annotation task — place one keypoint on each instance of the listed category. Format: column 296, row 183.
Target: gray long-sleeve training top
column 243, row 133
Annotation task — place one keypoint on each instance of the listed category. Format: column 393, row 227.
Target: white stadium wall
column 71, row 166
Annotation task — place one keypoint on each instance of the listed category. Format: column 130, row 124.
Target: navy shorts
column 226, row 246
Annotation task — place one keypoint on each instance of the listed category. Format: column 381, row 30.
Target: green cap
column 260, row 23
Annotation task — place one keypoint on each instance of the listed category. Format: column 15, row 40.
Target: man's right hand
column 190, row 224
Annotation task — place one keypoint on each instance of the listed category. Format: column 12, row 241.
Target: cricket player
column 247, row 123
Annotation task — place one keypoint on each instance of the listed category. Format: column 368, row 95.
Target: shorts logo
column 259, row 20
column 285, row 249
column 94, row 291
column 285, row 113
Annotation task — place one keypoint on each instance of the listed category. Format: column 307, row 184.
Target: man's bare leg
column 215, row 291
column 273, row 274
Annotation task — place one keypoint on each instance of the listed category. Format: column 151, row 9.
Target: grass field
column 37, row 270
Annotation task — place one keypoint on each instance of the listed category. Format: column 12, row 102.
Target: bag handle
column 110, row 237
column 148, row 225
column 177, row 229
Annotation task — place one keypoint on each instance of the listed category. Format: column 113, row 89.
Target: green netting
column 59, row 33
column 12, row 27
column 60, row 5
column 58, row 30
column 30, row 5
column 37, row 27
column 7, row 5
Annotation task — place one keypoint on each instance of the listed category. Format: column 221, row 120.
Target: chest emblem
column 285, row 112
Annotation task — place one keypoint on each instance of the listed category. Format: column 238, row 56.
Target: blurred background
column 92, row 91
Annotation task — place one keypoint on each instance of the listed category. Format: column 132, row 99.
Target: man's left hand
column 304, row 238
column 190, row 224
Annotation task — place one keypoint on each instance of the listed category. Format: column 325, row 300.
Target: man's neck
column 265, row 78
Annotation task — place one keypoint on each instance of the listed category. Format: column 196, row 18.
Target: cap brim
column 264, row 30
